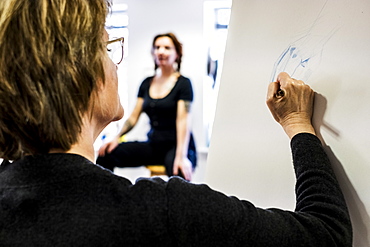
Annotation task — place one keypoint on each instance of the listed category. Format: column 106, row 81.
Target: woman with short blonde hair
column 59, row 89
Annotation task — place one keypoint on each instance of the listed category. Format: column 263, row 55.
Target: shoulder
column 178, row 187
column 144, row 86
column 146, row 81
column 184, row 83
column 184, row 80
column 57, row 168
column 184, row 88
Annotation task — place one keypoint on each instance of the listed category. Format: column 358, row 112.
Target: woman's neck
column 166, row 72
column 85, row 144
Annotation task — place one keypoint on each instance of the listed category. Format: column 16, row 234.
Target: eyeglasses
column 115, row 50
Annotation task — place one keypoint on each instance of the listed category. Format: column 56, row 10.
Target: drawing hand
column 294, row 108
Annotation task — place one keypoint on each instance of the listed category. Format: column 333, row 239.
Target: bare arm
column 181, row 162
column 133, row 119
column 127, row 126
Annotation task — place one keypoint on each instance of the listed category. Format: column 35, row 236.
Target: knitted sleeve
column 200, row 216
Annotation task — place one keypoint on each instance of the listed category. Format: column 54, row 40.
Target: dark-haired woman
column 166, row 98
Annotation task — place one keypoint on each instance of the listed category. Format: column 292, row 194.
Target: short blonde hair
column 50, row 62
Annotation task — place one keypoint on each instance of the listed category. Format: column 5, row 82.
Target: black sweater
column 65, row 200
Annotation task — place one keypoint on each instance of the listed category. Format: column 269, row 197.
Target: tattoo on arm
column 187, row 106
column 127, row 126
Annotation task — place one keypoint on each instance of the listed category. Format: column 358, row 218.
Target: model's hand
column 184, row 166
column 291, row 103
column 108, row 147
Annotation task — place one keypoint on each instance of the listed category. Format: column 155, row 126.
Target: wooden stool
column 157, row 170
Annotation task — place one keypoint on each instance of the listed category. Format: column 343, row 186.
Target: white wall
column 249, row 154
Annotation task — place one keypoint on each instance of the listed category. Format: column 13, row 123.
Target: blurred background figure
column 166, row 98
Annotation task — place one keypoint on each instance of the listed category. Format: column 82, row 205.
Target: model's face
column 108, row 106
column 164, row 52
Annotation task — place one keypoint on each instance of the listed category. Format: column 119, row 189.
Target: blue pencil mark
column 292, row 54
column 303, row 56
column 290, row 61
column 304, row 62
